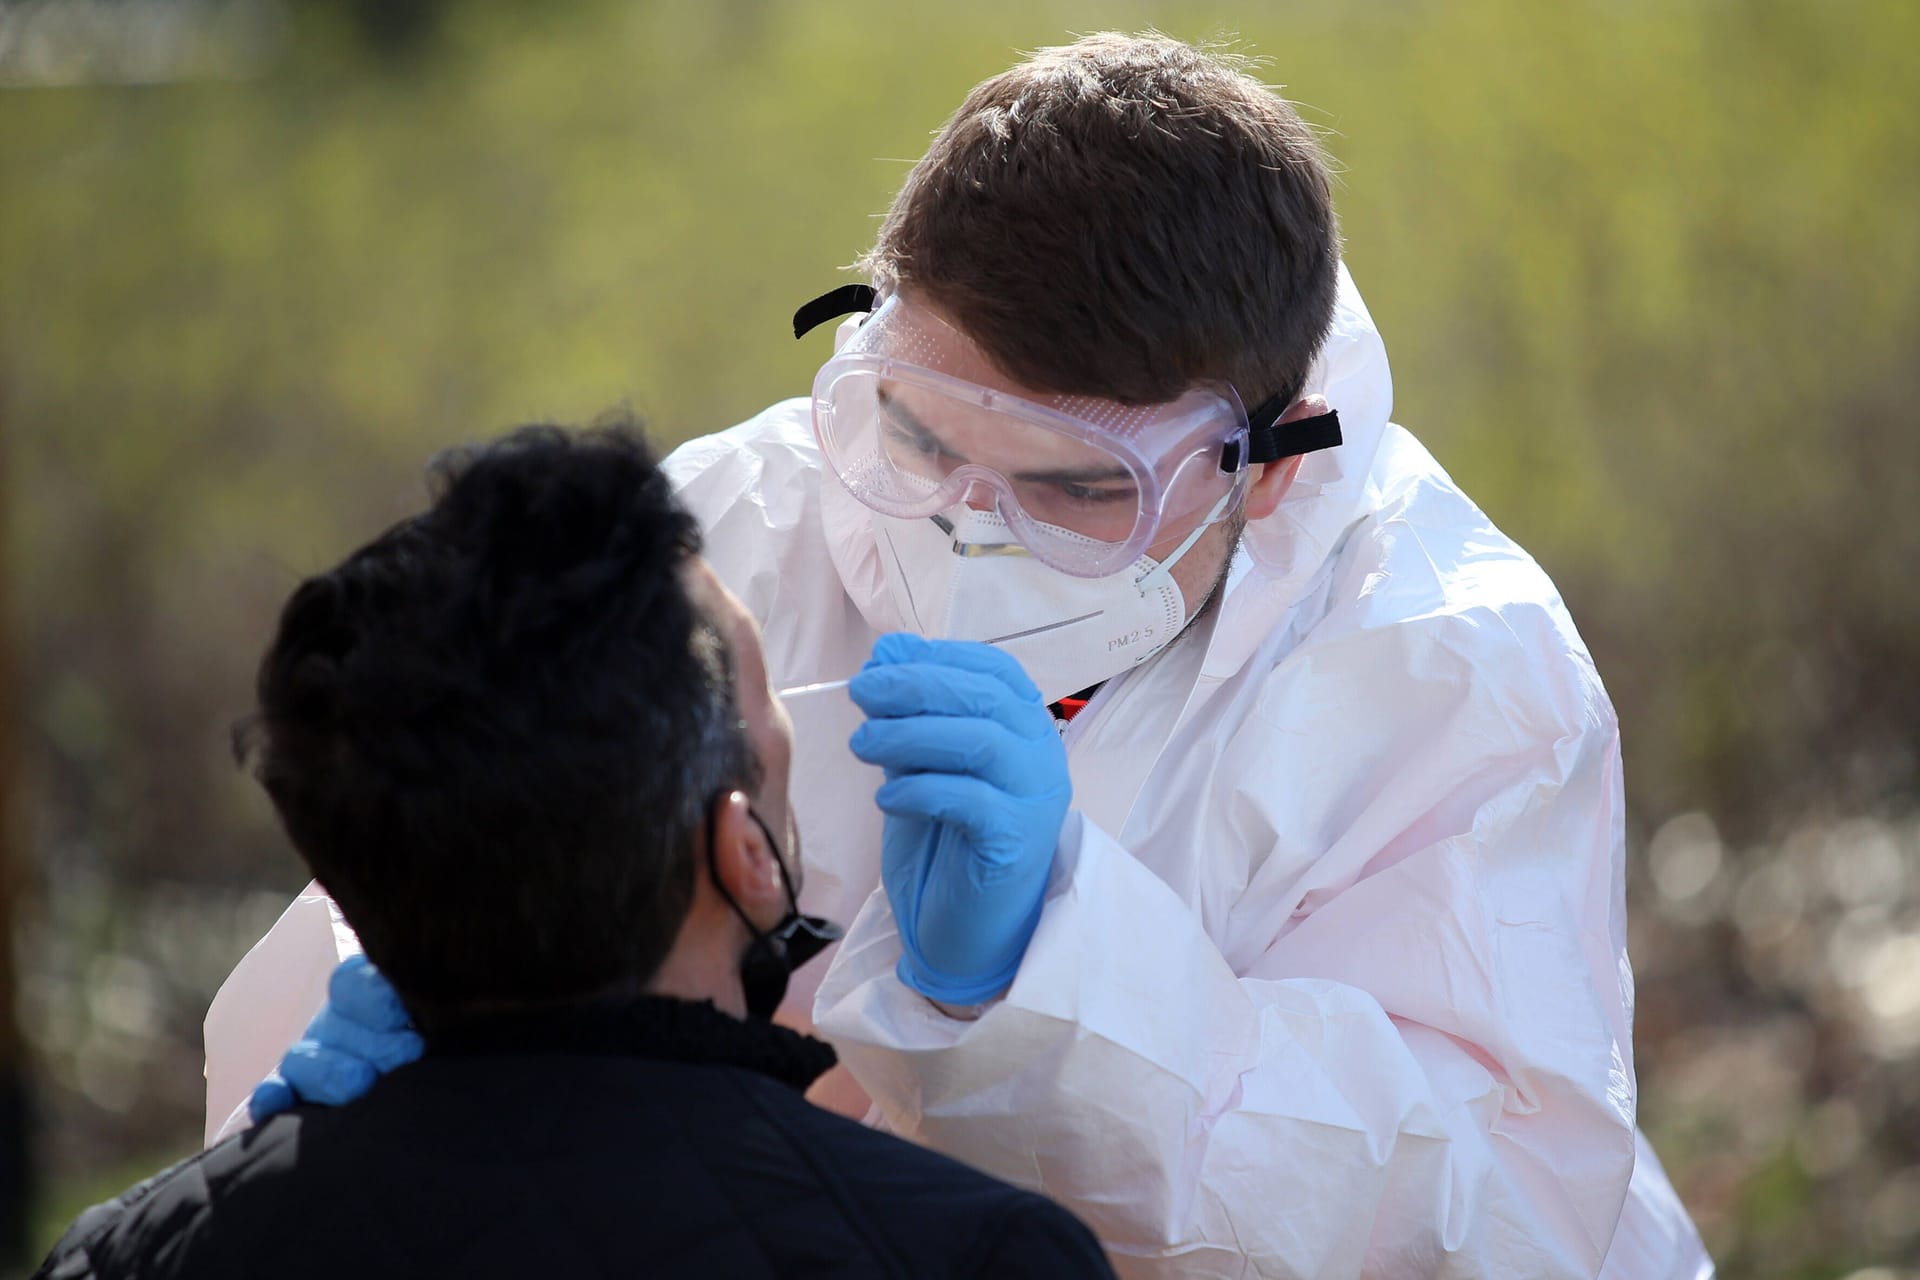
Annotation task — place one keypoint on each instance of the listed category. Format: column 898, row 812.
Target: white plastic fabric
column 1331, row 978
column 266, row 1003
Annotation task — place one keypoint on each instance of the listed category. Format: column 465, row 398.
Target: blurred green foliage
column 1647, row 273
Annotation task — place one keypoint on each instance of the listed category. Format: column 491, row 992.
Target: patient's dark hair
column 494, row 732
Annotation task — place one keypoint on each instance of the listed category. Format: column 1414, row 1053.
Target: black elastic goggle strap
column 1270, row 440
column 831, row 305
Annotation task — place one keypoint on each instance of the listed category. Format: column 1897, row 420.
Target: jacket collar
column 658, row 1028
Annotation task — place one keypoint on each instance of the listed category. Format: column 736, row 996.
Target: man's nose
column 980, row 496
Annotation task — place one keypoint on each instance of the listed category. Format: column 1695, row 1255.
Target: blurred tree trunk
column 15, row 1183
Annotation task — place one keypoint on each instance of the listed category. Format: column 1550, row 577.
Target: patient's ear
column 1271, row 480
column 745, row 863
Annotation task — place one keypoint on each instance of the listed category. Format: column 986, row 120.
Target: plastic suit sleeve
column 1424, row 1076
column 266, row 1003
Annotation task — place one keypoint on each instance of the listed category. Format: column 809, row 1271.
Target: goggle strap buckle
column 1270, row 440
column 831, row 305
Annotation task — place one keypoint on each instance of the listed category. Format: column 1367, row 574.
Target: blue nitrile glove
column 359, row 1035
column 976, row 791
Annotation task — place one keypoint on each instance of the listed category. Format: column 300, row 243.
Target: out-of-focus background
column 1649, row 274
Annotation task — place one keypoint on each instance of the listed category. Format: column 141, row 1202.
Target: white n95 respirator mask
column 962, row 575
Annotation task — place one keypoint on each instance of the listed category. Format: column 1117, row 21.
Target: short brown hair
column 1124, row 216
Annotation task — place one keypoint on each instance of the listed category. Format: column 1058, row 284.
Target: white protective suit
column 1331, row 978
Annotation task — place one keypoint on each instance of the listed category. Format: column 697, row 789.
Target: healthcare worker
column 1292, row 943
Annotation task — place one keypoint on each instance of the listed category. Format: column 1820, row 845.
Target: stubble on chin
column 1236, row 526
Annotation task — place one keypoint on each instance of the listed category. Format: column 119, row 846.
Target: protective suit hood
column 1287, row 549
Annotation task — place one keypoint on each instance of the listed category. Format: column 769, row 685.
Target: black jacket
column 659, row 1139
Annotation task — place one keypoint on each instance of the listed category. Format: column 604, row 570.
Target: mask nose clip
column 978, row 550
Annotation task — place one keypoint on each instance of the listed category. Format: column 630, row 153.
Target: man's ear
column 747, row 865
column 1272, row 479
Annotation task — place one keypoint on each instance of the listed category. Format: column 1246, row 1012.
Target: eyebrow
column 1073, row 475
column 904, row 418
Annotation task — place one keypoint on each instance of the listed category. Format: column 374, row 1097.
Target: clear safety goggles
column 914, row 419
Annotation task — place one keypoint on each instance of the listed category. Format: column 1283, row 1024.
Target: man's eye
column 1096, row 495
column 913, row 440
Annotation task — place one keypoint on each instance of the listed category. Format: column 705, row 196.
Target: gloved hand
column 976, row 792
column 359, row 1035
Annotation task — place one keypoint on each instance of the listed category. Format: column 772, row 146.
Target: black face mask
column 774, row 954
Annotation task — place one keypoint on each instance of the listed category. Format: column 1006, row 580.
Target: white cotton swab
column 822, row 687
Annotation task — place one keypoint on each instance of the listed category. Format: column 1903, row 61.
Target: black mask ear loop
column 774, row 954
